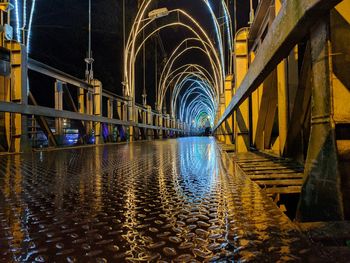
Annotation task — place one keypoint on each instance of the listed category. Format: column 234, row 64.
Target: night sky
column 60, row 35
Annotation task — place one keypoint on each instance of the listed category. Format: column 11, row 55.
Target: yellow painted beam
column 229, row 122
column 241, row 127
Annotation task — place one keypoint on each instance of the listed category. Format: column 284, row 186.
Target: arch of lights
column 184, row 44
column 199, row 88
column 203, row 104
column 207, row 48
column 162, row 88
column 131, row 53
column 199, row 77
column 180, row 83
column 179, row 79
column 191, row 68
column 198, row 111
column 135, row 30
column 195, row 80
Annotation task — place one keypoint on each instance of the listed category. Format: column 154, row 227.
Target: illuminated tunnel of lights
column 129, row 55
column 194, row 89
column 183, row 49
column 23, row 22
column 197, row 104
column 199, row 101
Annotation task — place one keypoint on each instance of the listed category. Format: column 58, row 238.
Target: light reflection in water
column 177, row 200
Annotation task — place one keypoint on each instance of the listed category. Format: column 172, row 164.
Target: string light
column 22, row 22
column 30, row 25
column 18, row 33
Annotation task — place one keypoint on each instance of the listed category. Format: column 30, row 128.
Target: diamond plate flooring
column 161, row 201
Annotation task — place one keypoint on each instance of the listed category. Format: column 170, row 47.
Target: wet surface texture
column 176, row 200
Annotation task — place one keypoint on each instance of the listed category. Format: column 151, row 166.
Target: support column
column 110, row 110
column 178, row 126
column 130, row 113
column 321, row 198
column 81, row 109
column 167, row 125
column 144, row 116
column 222, row 130
column 59, row 106
column 5, row 95
column 241, row 128
column 149, row 122
column 282, row 90
column 160, row 125
column 17, row 123
column 256, row 103
column 119, row 110
column 97, row 110
column 81, row 100
column 89, row 110
column 229, row 122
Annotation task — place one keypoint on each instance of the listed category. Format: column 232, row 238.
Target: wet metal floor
column 176, row 200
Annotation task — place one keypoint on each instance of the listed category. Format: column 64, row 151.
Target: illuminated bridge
column 190, row 131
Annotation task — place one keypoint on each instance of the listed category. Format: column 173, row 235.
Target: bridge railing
column 80, row 110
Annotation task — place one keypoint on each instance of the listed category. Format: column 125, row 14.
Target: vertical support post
column 89, row 110
column 229, row 122
column 287, row 73
column 59, row 106
column 97, row 103
column 217, row 118
column 81, row 109
column 255, row 106
column 144, row 116
column 81, row 100
column 167, row 125
column 125, row 111
column 110, row 110
column 149, row 122
column 222, row 130
column 241, row 128
column 124, row 117
column 18, row 132
column 160, row 125
column 256, row 103
column 282, row 90
column 119, row 110
column 5, row 95
column 130, row 113
column 321, row 198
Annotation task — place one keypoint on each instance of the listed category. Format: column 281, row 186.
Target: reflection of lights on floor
column 146, row 201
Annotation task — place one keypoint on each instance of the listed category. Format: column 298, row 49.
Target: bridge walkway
column 172, row 200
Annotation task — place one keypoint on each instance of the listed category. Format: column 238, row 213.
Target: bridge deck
column 171, row 200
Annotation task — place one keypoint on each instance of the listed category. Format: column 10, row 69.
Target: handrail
column 289, row 27
column 49, row 71
column 57, row 74
column 111, row 95
column 53, row 113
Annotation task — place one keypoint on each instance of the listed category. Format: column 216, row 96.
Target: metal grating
column 176, row 200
